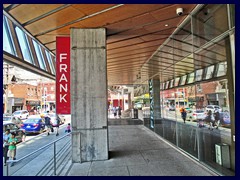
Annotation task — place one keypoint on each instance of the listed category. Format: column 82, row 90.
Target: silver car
column 213, row 108
column 196, row 115
column 21, row 114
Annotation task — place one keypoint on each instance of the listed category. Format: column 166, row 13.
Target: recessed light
column 166, row 25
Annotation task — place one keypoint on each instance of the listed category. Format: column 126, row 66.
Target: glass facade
column 24, row 45
column 7, row 39
column 39, row 55
column 201, row 51
column 22, row 40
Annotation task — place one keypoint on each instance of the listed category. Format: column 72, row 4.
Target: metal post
column 7, row 173
column 6, row 92
column 45, row 98
column 54, row 156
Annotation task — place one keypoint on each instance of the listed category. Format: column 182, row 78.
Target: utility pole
column 6, row 91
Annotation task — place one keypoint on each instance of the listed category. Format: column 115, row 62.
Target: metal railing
column 55, row 153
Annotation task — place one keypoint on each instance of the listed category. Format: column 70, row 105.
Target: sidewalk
column 136, row 151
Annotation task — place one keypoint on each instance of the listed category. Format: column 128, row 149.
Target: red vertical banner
column 63, row 104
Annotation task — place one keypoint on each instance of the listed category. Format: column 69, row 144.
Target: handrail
column 38, row 149
column 45, row 146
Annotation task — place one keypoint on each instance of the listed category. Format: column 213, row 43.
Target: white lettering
column 63, row 88
column 63, row 67
column 63, row 78
column 63, row 56
column 63, row 97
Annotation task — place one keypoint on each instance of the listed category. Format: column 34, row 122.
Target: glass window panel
column 39, row 55
column 7, row 39
column 24, row 45
column 190, row 78
column 199, row 73
column 50, row 62
column 163, row 85
column 209, row 23
column 53, row 59
column 171, row 83
column 166, row 85
column 183, row 42
column 222, row 69
column 183, row 80
column 209, row 73
column 176, row 81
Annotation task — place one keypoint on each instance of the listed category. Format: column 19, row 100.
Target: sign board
column 63, row 104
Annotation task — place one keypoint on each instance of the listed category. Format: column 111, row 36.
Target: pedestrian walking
column 57, row 125
column 183, row 114
column 47, row 123
column 6, row 137
column 210, row 119
column 216, row 115
column 12, row 147
column 119, row 112
column 115, row 112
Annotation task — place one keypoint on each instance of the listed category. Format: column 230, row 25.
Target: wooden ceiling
column 134, row 31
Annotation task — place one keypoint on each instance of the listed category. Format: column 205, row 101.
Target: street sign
column 63, row 104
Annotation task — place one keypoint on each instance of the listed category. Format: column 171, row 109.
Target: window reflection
column 50, row 62
column 190, row 78
column 222, row 69
column 209, row 73
column 39, row 55
column 7, row 39
column 176, row 82
column 199, row 73
column 183, row 80
column 24, row 45
column 166, row 85
column 171, row 83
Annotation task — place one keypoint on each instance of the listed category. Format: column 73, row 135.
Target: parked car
column 34, row 124
column 22, row 114
column 171, row 108
column 54, row 117
column 196, row 115
column 13, row 128
column 13, row 119
column 213, row 108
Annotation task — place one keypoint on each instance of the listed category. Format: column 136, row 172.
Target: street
column 34, row 142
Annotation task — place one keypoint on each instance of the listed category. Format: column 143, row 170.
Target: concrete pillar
column 130, row 97
column 89, row 95
column 129, row 101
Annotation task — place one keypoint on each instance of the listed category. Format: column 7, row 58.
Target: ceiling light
column 166, row 25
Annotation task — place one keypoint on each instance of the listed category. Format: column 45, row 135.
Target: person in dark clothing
column 216, row 115
column 6, row 137
column 210, row 119
column 47, row 123
column 183, row 114
column 119, row 112
column 115, row 112
column 57, row 125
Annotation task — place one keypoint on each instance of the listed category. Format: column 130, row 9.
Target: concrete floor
column 136, row 151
